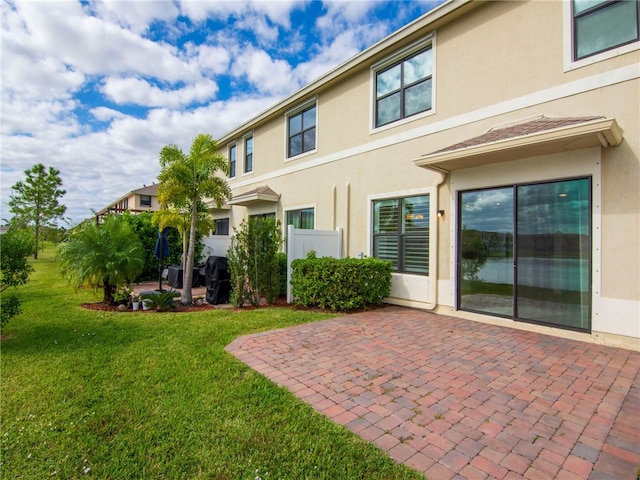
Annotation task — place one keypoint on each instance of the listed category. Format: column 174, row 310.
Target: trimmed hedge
column 340, row 284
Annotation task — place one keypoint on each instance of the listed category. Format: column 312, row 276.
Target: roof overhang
column 512, row 145
column 259, row 195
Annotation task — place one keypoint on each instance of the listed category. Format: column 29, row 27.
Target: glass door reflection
column 485, row 253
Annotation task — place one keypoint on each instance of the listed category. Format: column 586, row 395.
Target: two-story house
column 489, row 150
column 143, row 199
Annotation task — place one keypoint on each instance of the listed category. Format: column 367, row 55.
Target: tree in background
column 185, row 181
column 17, row 246
column 108, row 255
column 142, row 224
column 34, row 201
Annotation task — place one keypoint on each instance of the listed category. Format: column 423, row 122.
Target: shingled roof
column 260, row 194
column 521, row 129
column 540, row 136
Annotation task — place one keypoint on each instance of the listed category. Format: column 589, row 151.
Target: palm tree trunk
column 187, row 279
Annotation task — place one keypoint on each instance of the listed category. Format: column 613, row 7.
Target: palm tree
column 185, row 180
column 108, row 255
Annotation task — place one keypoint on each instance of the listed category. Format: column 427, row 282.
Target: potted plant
column 135, row 301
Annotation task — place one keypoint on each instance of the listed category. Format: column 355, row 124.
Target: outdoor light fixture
column 440, row 213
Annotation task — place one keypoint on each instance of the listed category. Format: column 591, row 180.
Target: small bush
column 160, row 301
column 254, row 264
column 340, row 284
column 281, row 259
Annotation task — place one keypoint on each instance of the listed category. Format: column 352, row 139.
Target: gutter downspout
column 433, row 271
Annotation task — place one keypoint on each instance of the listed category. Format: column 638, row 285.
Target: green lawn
column 87, row 394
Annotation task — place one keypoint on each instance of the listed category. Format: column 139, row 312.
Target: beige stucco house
column 490, row 150
column 144, row 199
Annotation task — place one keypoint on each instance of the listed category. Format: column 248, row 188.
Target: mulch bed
column 180, row 308
column 103, row 307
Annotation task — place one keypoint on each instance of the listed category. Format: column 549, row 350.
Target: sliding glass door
column 486, row 251
column 525, row 252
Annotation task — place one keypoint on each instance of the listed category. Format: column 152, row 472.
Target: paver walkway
column 460, row 399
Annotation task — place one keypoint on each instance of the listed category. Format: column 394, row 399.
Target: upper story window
column 233, row 152
column 600, row 25
column 404, row 88
column 248, row 154
column 145, row 200
column 301, row 131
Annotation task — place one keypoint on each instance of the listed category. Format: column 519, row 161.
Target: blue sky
column 97, row 88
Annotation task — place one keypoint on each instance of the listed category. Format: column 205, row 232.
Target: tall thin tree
column 185, row 181
column 35, row 201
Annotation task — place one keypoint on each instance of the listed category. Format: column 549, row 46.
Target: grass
column 135, row 395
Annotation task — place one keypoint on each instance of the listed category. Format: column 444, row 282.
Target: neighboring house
column 143, row 199
column 490, row 150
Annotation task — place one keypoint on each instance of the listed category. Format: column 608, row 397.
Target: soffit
column 541, row 136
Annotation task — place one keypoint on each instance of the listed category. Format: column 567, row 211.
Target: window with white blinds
column 401, row 233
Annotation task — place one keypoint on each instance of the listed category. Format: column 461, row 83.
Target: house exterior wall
column 495, row 64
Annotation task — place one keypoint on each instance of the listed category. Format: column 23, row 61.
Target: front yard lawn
column 92, row 394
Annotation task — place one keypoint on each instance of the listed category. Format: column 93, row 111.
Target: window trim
column 245, row 138
column 432, row 235
column 146, row 204
column 311, row 206
column 570, row 63
column 233, row 172
column 293, row 112
column 216, row 220
column 429, row 41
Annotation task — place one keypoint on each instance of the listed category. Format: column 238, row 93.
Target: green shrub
column 148, row 235
column 281, row 259
column 340, row 284
column 160, row 301
column 17, row 246
column 253, row 262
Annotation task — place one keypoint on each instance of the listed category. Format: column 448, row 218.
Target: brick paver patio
column 459, row 399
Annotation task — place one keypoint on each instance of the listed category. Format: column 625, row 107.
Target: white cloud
column 258, row 25
column 278, row 11
column 264, row 73
column 341, row 13
column 209, row 59
column 135, row 15
column 105, row 114
column 136, row 91
column 344, row 46
column 91, row 45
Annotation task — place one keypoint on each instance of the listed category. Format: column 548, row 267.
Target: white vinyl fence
column 326, row 243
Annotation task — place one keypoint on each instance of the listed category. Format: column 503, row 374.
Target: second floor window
column 600, row 25
column 404, row 88
column 232, row 161
column 301, row 131
column 248, row 154
column 145, row 200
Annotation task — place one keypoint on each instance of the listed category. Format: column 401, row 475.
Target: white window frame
column 569, row 62
column 244, row 154
column 433, row 217
column 229, row 147
column 429, row 40
column 290, row 113
column 295, row 208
